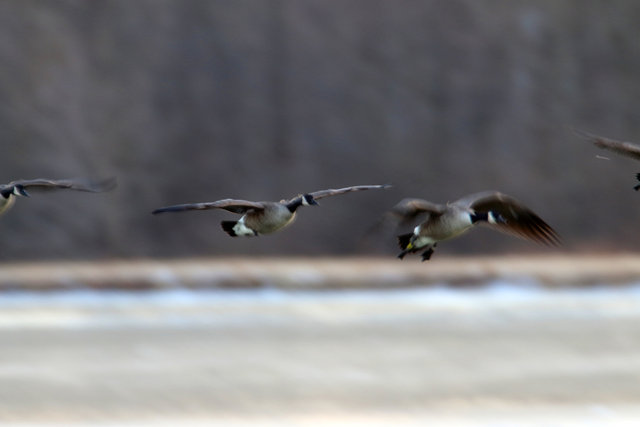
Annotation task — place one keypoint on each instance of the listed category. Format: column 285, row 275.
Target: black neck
column 294, row 204
column 480, row 216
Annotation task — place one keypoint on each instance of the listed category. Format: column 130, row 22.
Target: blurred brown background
column 199, row 100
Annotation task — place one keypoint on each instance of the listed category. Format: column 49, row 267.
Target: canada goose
column 14, row 189
column 497, row 210
column 264, row 217
column 628, row 149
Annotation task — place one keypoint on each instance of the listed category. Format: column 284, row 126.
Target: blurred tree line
column 199, row 100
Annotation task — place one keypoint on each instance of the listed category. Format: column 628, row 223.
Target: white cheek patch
column 492, row 219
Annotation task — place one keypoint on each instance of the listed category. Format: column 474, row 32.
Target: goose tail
column 228, row 227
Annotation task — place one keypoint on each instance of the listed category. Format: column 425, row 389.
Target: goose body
column 627, row 149
column 447, row 221
column 264, row 217
column 272, row 217
column 6, row 202
column 9, row 192
column 442, row 227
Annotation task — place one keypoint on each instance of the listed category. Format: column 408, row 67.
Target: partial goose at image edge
column 627, row 149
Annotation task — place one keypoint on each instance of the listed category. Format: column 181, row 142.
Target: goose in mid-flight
column 445, row 221
column 264, row 217
column 9, row 192
column 628, row 149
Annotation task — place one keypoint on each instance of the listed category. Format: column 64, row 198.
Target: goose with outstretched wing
column 264, row 217
column 9, row 192
column 445, row 221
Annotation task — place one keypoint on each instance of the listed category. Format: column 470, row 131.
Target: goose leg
column 426, row 255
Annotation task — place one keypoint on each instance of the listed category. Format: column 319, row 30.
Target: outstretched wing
column 93, row 186
column 413, row 207
column 515, row 218
column 408, row 211
column 628, row 149
column 231, row 205
column 334, row 192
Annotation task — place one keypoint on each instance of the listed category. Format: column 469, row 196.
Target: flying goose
column 497, row 210
column 9, row 192
column 264, row 217
column 628, row 149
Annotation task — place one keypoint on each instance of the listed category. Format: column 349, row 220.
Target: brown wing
column 334, row 192
column 231, row 205
column 407, row 211
column 413, row 207
column 71, row 184
column 628, row 149
column 518, row 219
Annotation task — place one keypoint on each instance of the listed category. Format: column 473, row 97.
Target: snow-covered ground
column 509, row 352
